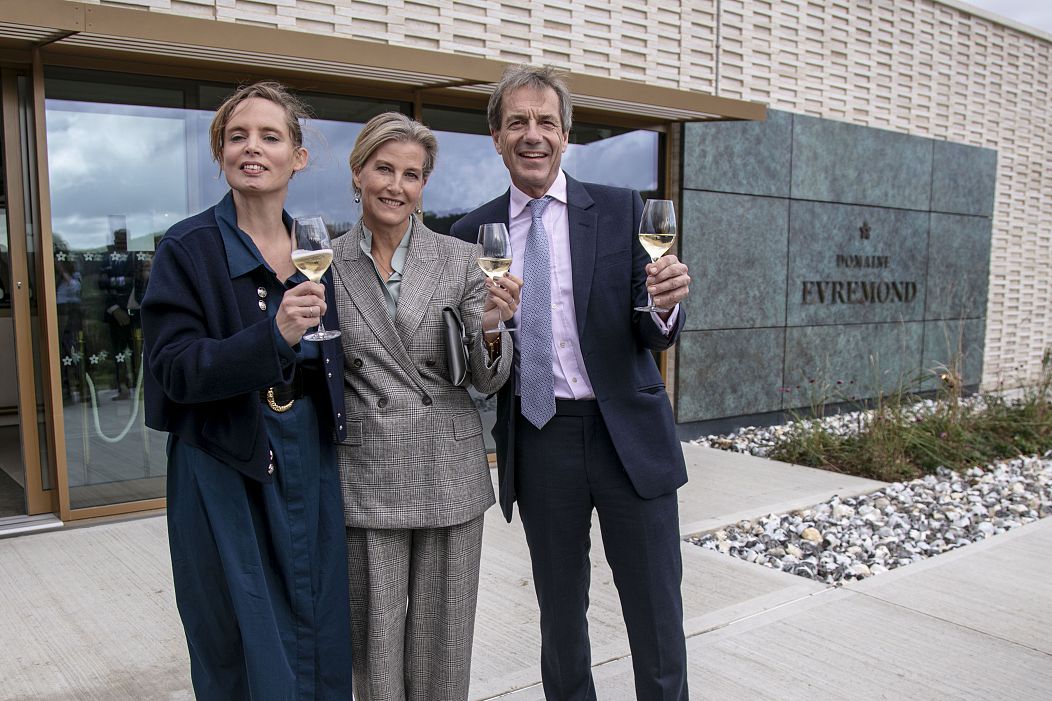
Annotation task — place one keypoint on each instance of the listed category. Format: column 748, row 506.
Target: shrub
column 899, row 442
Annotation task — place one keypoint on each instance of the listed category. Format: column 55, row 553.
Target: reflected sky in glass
column 470, row 172
column 108, row 160
column 152, row 166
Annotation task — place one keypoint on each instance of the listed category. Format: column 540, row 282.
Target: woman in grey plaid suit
column 413, row 466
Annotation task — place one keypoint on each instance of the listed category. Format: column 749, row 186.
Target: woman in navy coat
column 255, row 521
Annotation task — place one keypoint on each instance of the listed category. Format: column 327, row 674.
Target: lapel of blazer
column 499, row 213
column 419, row 278
column 358, row 276
column 582, row 220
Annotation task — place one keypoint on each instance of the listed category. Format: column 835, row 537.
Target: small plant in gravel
column 897, row 442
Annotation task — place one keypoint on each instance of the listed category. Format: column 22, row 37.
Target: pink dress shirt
column 571, row 377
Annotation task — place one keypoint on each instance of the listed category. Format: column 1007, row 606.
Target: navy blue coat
column 209, row 349
column 609, row 279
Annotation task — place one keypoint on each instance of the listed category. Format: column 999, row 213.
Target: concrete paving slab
column 89, row 614
column 1001, row 586
column 971, row 624
column 726, row 487
column 847, row 645
column 844, row 645
column 717, row 590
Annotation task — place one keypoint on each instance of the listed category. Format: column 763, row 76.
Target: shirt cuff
column 666, row 327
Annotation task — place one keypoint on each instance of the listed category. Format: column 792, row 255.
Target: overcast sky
column 1035, row 13
column 149, row 167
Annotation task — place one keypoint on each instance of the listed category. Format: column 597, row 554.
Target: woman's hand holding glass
column 501, row 303
column 312, row 256
column 301, row 309
column 495, row 261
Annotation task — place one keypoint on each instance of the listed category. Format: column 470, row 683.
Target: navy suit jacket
column 609, row 279
column 209, row 349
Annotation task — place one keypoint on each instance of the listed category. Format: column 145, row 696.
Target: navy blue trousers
column 562, row 472
column 260, row 570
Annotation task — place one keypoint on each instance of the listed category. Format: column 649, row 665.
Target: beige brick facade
column 936, row 69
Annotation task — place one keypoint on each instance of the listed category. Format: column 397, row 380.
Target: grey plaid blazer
column 414, row 455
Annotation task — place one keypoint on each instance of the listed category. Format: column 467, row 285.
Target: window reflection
column 470, row 172
column 627, row 159
column 129, row 157
column 121, row 174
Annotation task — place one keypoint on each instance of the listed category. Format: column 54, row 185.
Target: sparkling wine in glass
column 657, row 233
column 312, row 256
column 495, row 259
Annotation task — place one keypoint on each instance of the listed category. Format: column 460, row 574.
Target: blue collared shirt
column 243, row 257
column 392, row 286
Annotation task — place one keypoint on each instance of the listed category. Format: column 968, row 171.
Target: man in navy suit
column 607, row 441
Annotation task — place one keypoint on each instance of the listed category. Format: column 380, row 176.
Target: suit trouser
column 562, row 472
column 419, row 652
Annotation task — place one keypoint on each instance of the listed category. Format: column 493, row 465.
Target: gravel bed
column 759, row 441
column 846, row 539
column 852, row 538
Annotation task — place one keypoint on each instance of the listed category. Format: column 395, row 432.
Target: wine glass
column 312, row 256
column 495, row 260
column 657, row 233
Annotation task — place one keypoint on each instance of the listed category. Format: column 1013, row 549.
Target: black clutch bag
column 456, row 342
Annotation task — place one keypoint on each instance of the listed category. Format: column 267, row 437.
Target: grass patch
column 898, row 443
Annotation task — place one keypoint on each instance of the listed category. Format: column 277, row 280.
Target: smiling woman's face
column 391, row 182
column 259, row 155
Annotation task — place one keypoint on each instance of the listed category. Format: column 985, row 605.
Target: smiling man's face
column 531, row 139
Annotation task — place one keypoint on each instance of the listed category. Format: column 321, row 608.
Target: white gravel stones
column 852, row 538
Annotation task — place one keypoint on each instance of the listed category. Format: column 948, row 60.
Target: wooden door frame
column 38, row 500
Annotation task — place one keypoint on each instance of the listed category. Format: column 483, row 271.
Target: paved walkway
column 88, row 613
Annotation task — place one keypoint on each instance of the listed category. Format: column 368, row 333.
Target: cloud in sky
column 152, row 165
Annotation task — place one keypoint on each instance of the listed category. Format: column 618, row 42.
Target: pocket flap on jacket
column 467, row 425
column 354, row 433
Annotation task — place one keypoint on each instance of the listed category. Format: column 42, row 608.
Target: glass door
column 25, row 465
column 127, row 157
column 12, row 470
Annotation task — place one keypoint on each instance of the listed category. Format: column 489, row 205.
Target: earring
column 419, row 211
column 357, row 197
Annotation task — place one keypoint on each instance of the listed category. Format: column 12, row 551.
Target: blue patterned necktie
column 536, row 378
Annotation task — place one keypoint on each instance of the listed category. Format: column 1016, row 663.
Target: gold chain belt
column 273, row 404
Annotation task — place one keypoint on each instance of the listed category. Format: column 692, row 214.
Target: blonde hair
column 393, row 126
column 295, row 112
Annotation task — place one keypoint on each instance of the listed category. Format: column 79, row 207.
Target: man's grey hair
column 525, row 76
